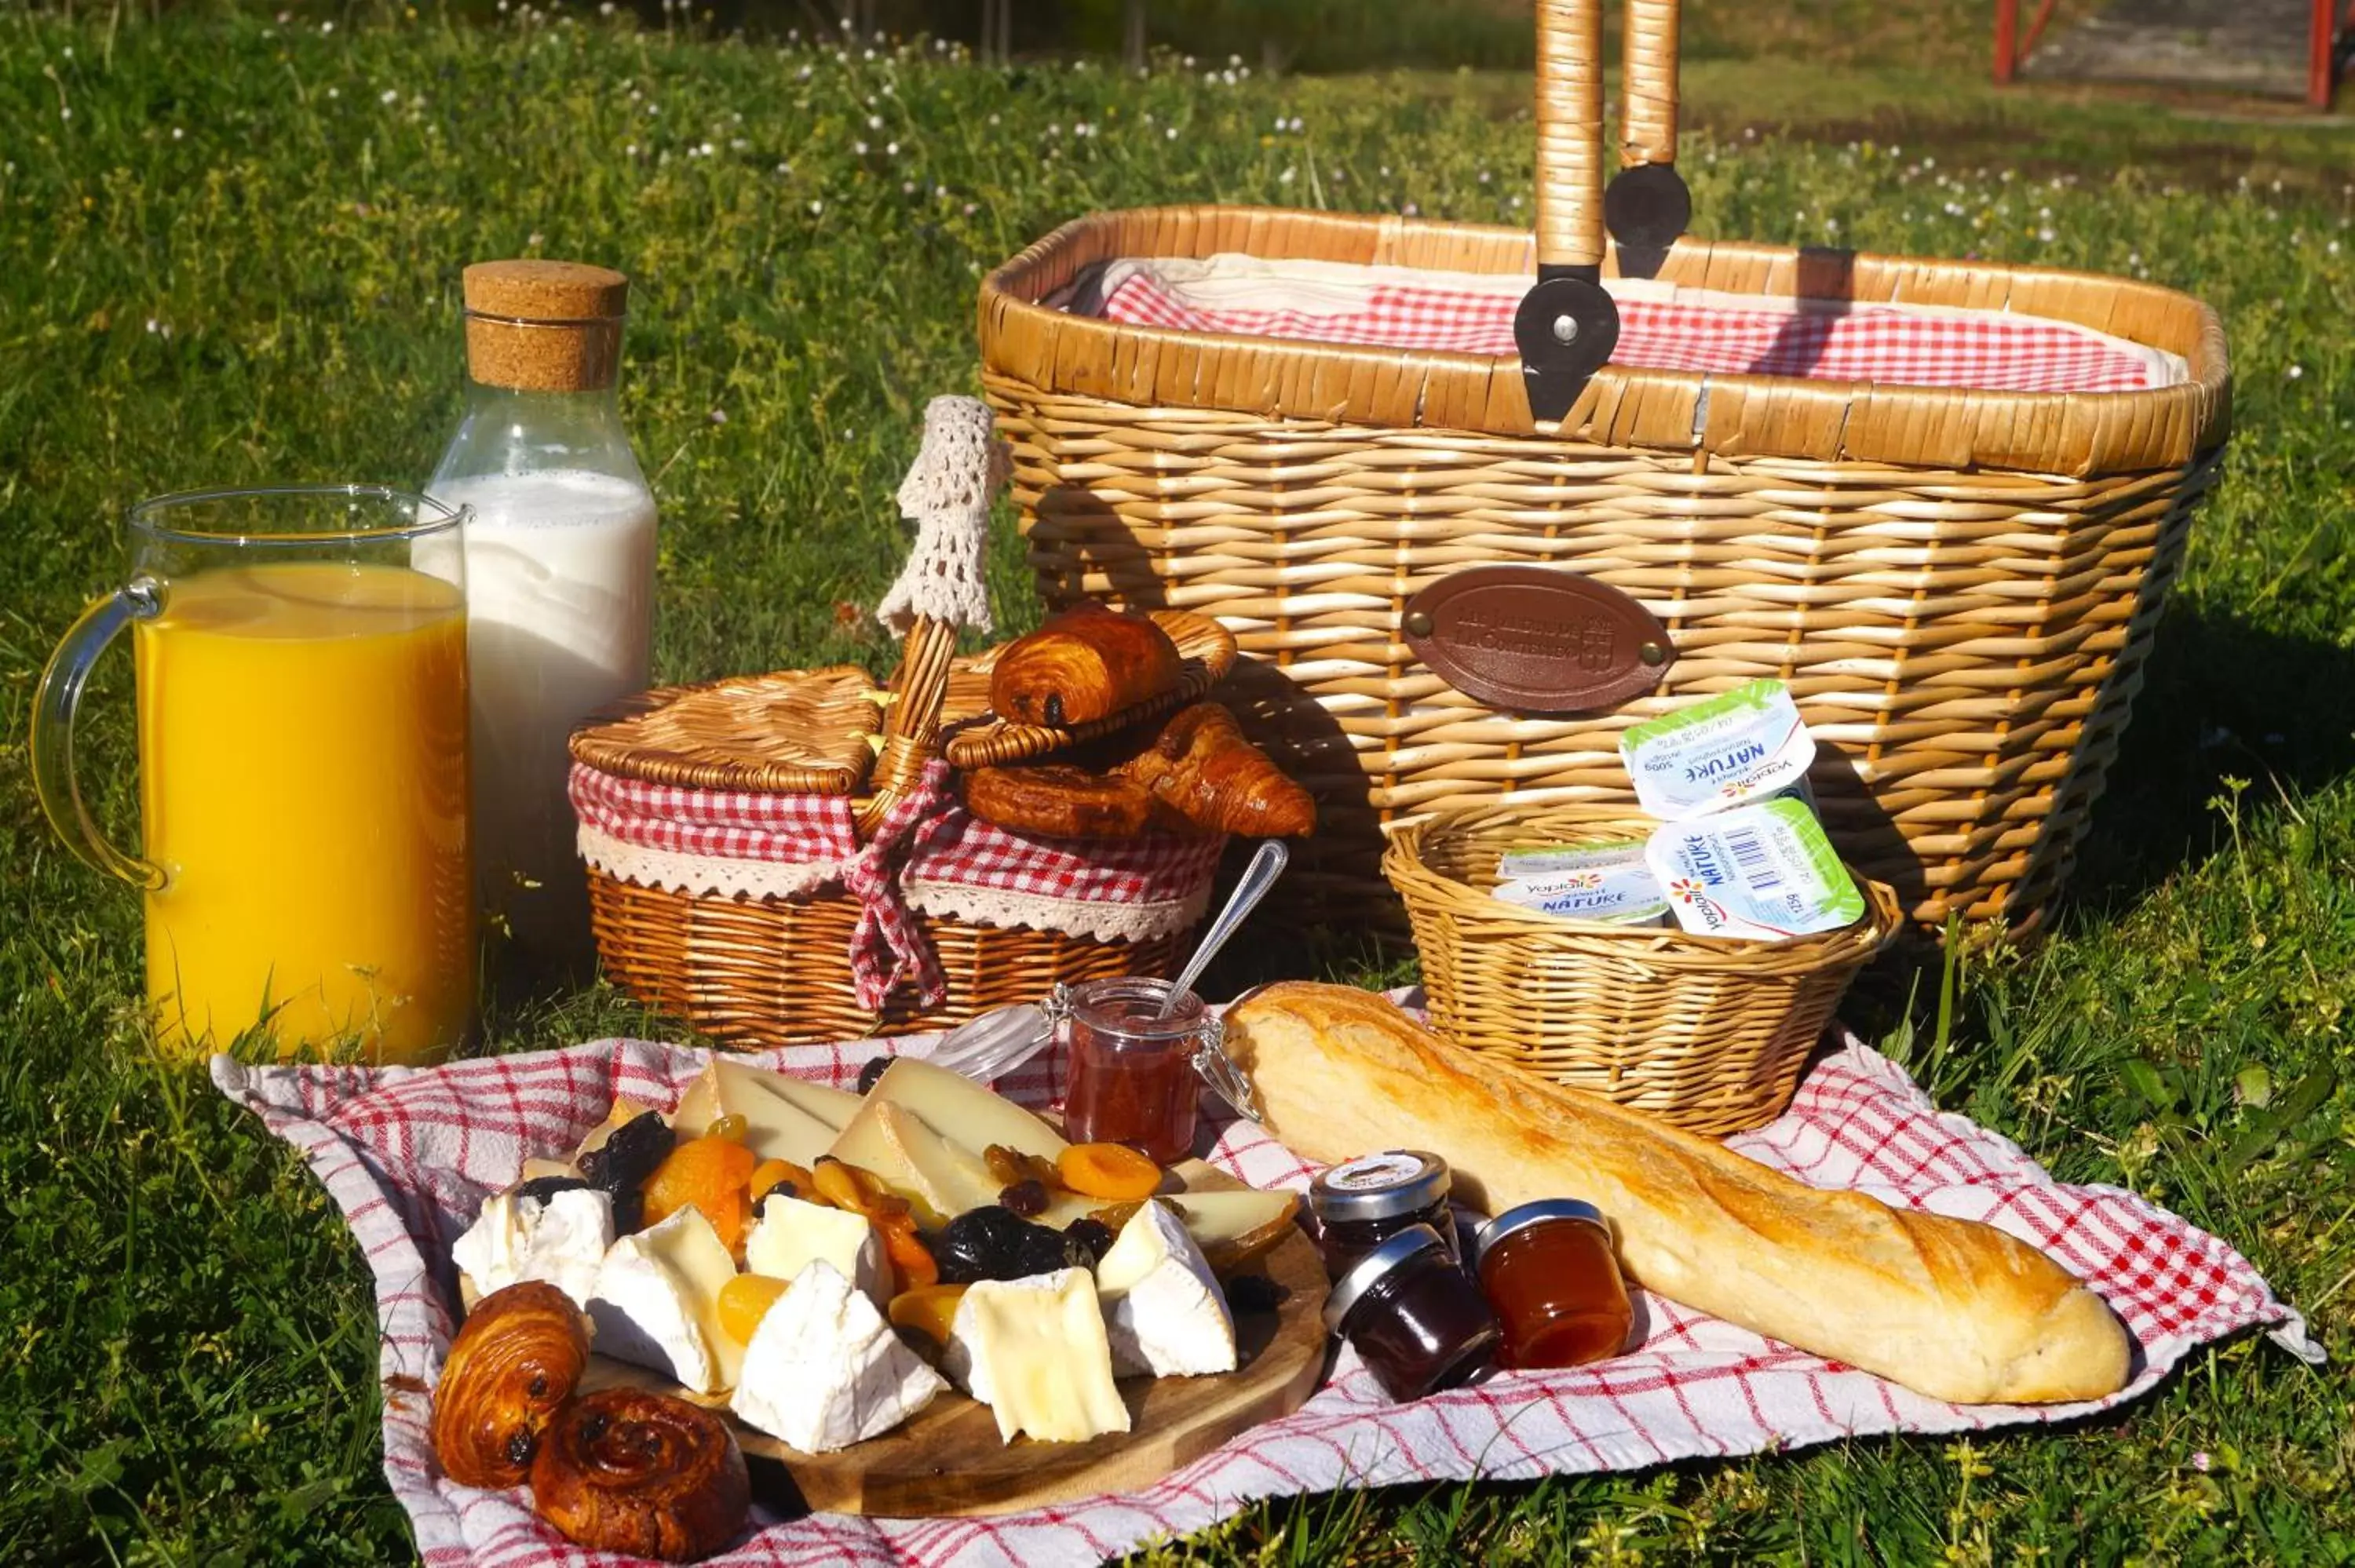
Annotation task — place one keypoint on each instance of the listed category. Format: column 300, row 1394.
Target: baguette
column 1950, row 1309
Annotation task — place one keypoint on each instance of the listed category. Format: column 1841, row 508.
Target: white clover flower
column 1412, row 209
column 1484, row 177
column 859, row 148
column 2046, row 235
column 1295, row 124
column 2295, row 372
column 332, row 93
column 706, row 149
column 816, row 206
column 631, row 150
column 152, row 324
column 1285, row 178
column 389, row 95
column 970, row 209
column 176, row 134
column 1170, row 135
column 875, row 123
column 907, row 188
column 330, row 26
column 890, row 149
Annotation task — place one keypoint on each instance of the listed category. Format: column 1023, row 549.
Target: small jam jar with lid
column 1366, row 1202
column 1548, row 1269
column 1133, row 1076
column 1413, row 1316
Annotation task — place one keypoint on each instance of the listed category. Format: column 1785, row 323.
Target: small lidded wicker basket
column 781, row 859
column 1706, row 1033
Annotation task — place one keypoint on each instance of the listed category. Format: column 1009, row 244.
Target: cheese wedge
column 1231, row 1225
column 1164, row 1312
column 824, row 1370
column 942, row 1178
column 775, row 1127
column 822, row 1102
column 791, row 1235
column 1035, row 1351
column 956, row 1106
column 562, row 1239
column 657, row 1302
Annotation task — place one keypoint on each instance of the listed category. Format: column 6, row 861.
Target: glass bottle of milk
column 559, row 579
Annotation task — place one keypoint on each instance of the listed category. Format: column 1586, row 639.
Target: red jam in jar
column 1548, row 1269
column 1133, row 1076
column 1360, row 1205
column 1413, row 1316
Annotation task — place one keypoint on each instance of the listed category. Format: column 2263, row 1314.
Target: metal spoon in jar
column 1258, row 877
column 997, row 1043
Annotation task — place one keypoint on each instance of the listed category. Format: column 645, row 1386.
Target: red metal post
column 2006, row 38
column 2318, row 55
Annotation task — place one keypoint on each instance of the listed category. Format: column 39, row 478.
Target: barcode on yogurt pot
column 1751, row 855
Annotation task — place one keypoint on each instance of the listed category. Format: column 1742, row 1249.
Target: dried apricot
column 744, row 1301
column 770, row 1174
column 1108, row 1171
column 928, row 1309
column 712, row 1175
column 911, row 1260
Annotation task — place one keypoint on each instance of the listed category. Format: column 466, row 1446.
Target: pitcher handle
column 53, row 728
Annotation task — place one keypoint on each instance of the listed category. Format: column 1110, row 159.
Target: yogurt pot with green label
column 1740, row 745
column 1764, row 871
column 1618, row 889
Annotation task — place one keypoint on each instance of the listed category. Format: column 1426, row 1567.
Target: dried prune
column 1026, row 1198
column 542, row 1188
column 1088, row 1240
column 872, row 1071
column 629, row 1155
column 995, row 1243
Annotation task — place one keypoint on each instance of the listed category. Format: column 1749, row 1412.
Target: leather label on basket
column 1536, row 639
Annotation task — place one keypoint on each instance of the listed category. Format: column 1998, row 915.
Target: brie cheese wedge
column 1164, row 1312
column 824, row 1370
column 1034, row 1351
column 657, row 1302
column 560, row 1239
column 791, row 1233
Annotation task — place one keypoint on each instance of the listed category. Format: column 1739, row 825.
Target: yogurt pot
column 1740, row 745
column 1764, row 871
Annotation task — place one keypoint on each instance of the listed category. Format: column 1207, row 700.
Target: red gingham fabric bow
column 887, row 945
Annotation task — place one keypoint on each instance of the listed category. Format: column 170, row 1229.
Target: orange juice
column 302, row 784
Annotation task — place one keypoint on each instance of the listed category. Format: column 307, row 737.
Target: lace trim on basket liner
column 707, row 877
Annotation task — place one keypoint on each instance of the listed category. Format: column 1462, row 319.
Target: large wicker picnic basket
column 1958, row 585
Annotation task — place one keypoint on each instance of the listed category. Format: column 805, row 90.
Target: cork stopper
column 543, row 326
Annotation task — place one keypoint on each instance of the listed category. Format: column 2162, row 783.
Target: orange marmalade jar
column 1548, row 1270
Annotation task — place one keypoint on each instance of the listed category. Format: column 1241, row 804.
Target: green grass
column 237, row 261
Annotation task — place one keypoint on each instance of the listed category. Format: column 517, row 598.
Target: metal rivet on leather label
column 1418, row 624
column 1652, row 653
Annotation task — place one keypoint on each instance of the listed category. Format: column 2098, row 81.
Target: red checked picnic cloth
column 1661, row 327
column 928, row 855
column 409, row 1154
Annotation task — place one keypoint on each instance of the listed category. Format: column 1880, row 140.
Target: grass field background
column 229, row 252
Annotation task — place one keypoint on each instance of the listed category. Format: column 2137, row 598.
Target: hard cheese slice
column 941, row 1177
column 791, row 1235
column 1035, row 1350
column 1164, row 1312
column 658, row 1302
column 775, row 1127
column 824, row 1370
column 956, row 1106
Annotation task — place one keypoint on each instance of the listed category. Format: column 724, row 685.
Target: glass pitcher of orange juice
column 301, row 658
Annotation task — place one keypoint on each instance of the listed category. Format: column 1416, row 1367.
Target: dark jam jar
column 1413, row 1316
column 1363, row 1204
column 1133, row 1078
column 1548, row 1269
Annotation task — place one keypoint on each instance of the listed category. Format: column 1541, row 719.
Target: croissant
column 1085, row 665
column 626, row 1470
column 509, row 1370
column 1060, row 801
column 1202, row 768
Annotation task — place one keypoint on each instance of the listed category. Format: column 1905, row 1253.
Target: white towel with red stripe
column 408, row 1155
column 1662, row 326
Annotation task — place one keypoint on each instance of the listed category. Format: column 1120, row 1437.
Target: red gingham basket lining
column 1863, row 343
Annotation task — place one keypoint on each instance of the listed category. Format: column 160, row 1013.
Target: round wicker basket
column 1705, row 1033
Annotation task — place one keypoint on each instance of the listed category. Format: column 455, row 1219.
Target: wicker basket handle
column 1647, row 206
column 1570, row 134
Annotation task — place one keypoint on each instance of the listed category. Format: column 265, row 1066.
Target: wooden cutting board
column 948, row 1461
